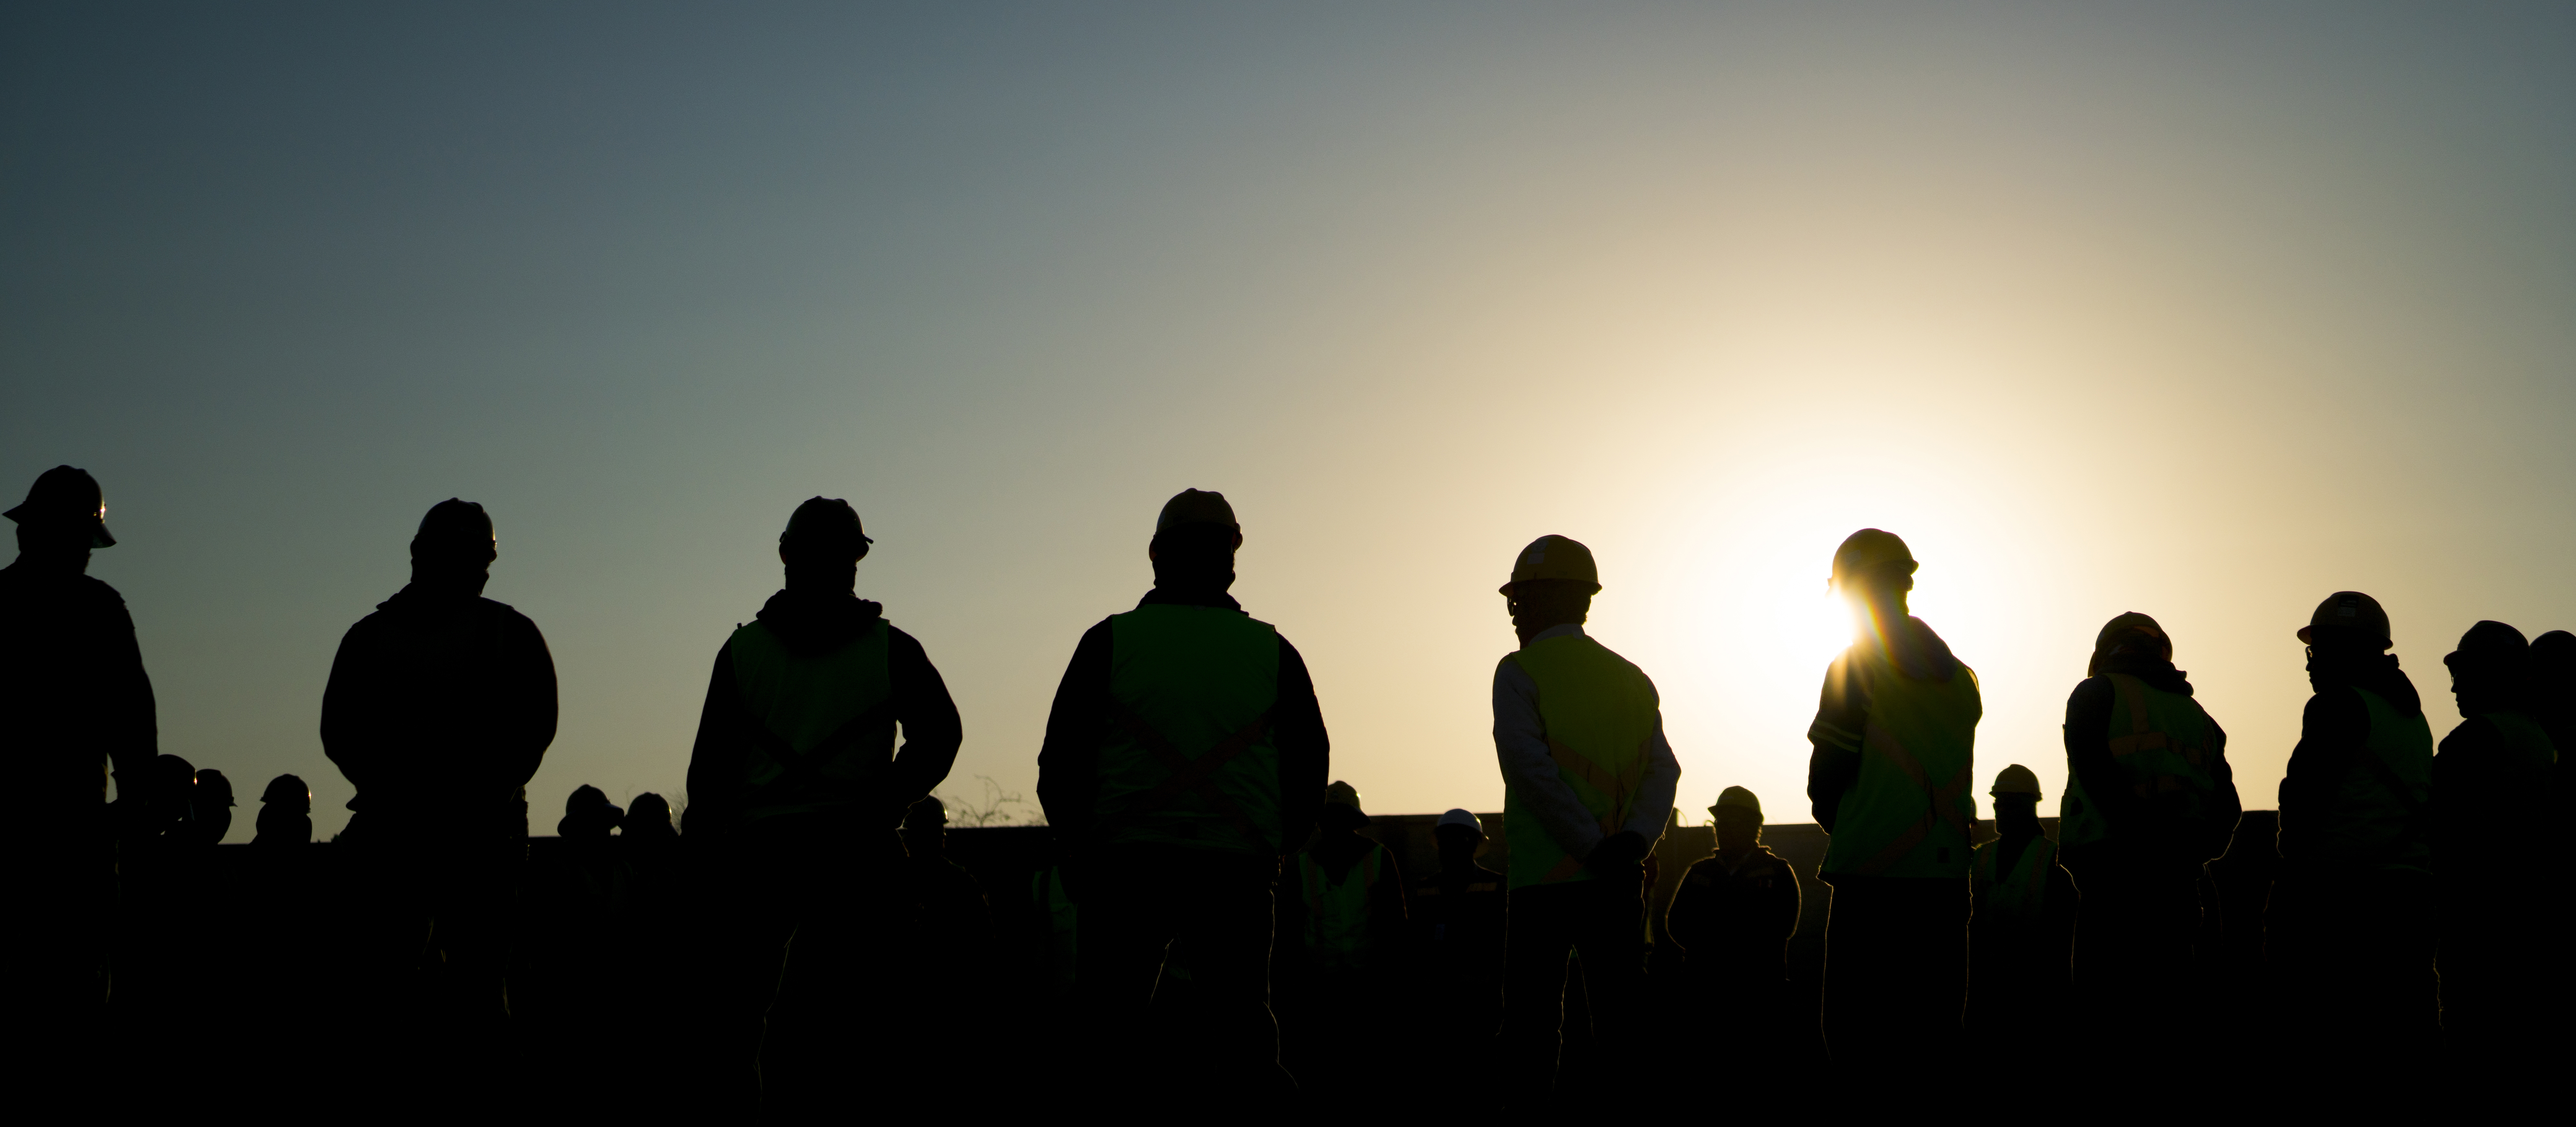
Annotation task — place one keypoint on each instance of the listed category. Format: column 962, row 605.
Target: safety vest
column 1062, row 916
column 1190, row 760
column 1338, row 935
column 824, row 725
column 2531, row 746
column 1907, row 814
column 2382, row 811
column 1599, row 712
column 2021, row 895
column 2163, row 745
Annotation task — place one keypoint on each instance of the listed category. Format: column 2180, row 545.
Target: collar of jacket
column 2155, row 671
column 809, row 625
column 1185, row 598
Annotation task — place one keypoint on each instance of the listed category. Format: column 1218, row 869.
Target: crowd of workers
column 812, row 948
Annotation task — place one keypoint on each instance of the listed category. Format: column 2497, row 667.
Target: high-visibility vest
column 1907, row 814
column 1063, row 919
column 1339, row 935
column 2530, row 743
column 2162, row 745
column 2381, row 812
column 2020, row 895
column 1189, row 759
column 1600, row 713
column 824, row 725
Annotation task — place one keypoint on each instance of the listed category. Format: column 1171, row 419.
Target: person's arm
column 1784, row 906
column 535, row 712
column 1520, row 743
column 1842, row 717
column 932, row 731
column 132, row 726
column 1686, row 919
column 1653, row 807
column 1069, row 760
column 1386, row 903
column 2226, row 807
column 1305, row 749
column 2087, row 736
column 349, row 709
column 2332, row 729
column 716, row 761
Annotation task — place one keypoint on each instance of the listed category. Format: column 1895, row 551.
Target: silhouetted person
column 2493, row 841
column 440, row 706
column 1179, row 734
column 654, row 934
column 2350, row 928
column 795, row 789
column 2553, row 688
column 1457, row 922
column 210, row 806
column 1588, row 782
column 1733, row 917
column 285, row 813
column 1343, row 929
column 2149, row 801
column 1895, row 734
column 2021, row 932
column 570, row 987
column 77, row 701
column 952, row 975
column 651, row 844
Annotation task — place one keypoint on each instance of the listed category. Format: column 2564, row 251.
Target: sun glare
column 1812, row 625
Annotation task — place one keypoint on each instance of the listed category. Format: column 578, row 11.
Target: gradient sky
column 2203, row 311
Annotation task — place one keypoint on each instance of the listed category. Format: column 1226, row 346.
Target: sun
column 1812, row 626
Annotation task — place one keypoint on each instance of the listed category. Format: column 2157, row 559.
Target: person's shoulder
column 503, row 613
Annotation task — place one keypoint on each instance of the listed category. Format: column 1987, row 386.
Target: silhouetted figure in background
column 2149, row 801
column 655, row 932
column 285, row 814
column 795, row 790
column 1894, row 736
column 1733, row 917
column 1182, row 755
column 1588, row 782
column 210, row 806
column 440, row 707
column 76, row 699
column 2492, row 852
column 2350, row 928
column 650, row 845
column 953, row 975
column 1342, row 929
column 1457, row 922
column 575, row 967
column 2021, row 933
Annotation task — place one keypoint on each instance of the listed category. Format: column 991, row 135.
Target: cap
column 2349, row 610
column 1554, row 557
column 1460, row 817
column 1870, row 550
column 1196, row 506
column 2490, row 644
column 1737, row 798
column 2015, row 779
column 825, row 523
column 66, row 497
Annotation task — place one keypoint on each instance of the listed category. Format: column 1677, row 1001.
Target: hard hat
column 211, row 782
column 1737, row 798
column 1869, row 550
column 1461, row 818
column 66, row 497
column 825, row 524
column 2490, row 645
column 2555, row 650
column 1343, row 794
column 2015, row 779
column 453, row 527
column 290, row 790
column 1196, row 506
column 2350, row 610
column 2121, row 627
column 926, row 813
column 1554, row 557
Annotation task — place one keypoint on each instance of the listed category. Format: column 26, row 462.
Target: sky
column 2201, row 310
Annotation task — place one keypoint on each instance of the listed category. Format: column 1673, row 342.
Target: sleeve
column 1305, row 749
column 2331, row 729
column 1386, row 906
column 1785, row 905
column 1653, row 808
column 2230, row 808
column 134, row 731
column 349, row 710
column 1842, row 717
column 716, row 760
column 1686, row 919
column 2087, row 736
column 537, row 710
column 1069, row 760
column 1520, row 743
column 932, row 732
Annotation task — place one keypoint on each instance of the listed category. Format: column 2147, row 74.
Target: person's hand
column 1621, row 850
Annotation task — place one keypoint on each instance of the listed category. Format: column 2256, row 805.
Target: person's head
column 648, row 815
column 2347, row 624
column 1459, row 836
column 1874, row 570
column 170, row 795
column 1342, row 812
column 588, row 815
column 2553, row 663
column 1737, row 817
column 2016, row 796
column 285, row 812
column 2131, row 638
column 455, row 546
column 1195, row 539
column 1553, row 581
column 62, row 519
column 211, row 799
column 2491, row 670
column 925, row 827
column 822, row 546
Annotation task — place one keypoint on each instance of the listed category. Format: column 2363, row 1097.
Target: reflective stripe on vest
column 823, row 726
column 1907, row 814
column 1189, row 760
column 2023, row 894
column 1338, row 935
column 2162, row 746
column 1599, row 714
column 2382, row 812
